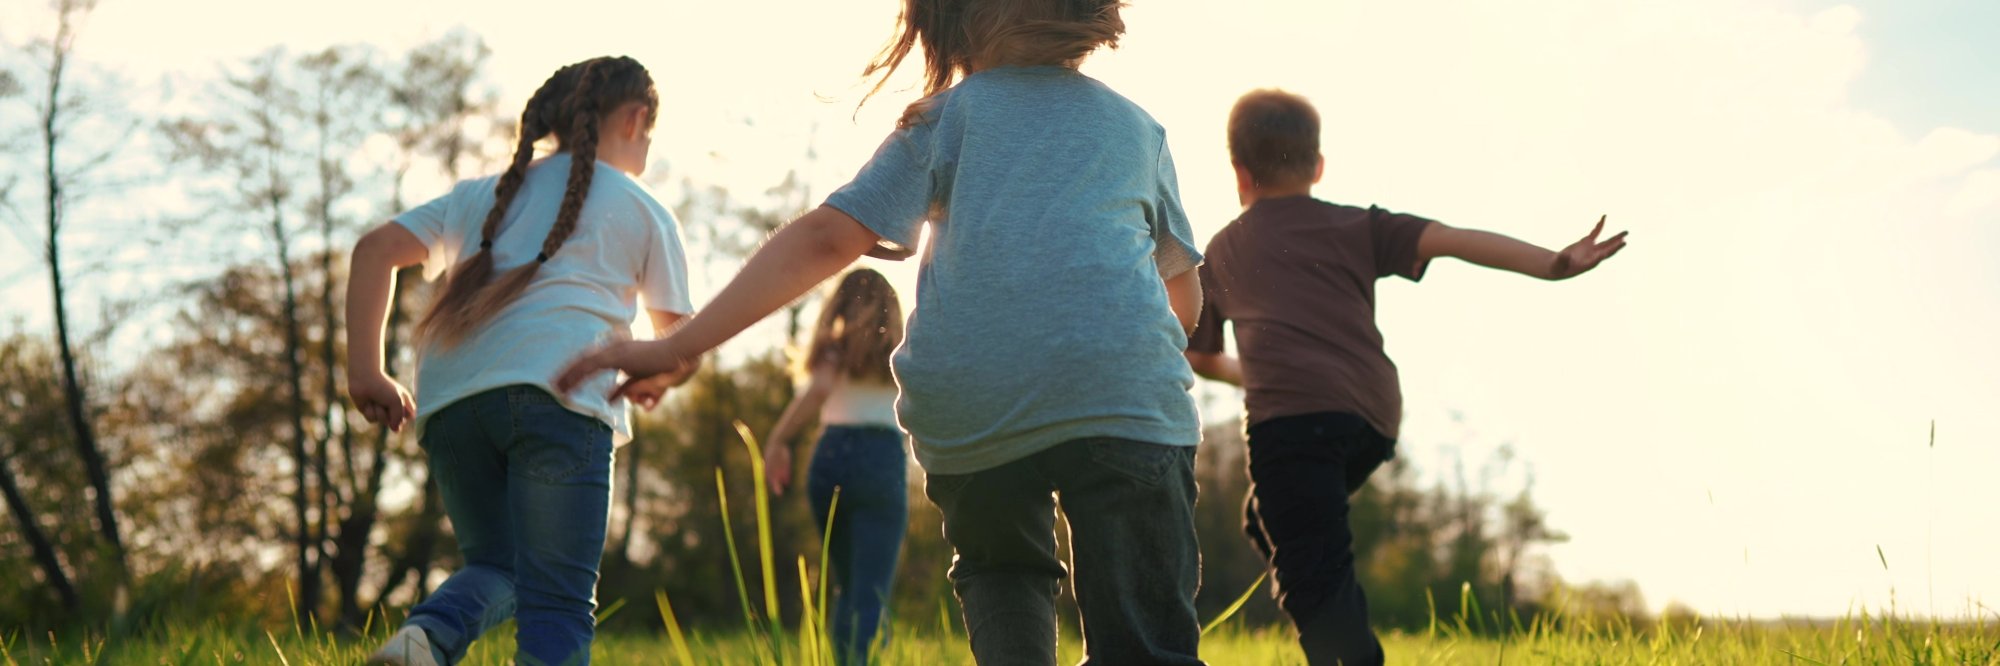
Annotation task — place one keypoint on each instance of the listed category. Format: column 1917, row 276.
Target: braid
column 571, row 104
column 448, row 318
column 581, row 140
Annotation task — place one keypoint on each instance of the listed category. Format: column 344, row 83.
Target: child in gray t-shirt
column 1044, row 351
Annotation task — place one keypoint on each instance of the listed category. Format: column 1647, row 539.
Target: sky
column 1735, row 412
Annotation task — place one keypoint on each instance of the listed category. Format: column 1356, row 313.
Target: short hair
column 1274, row 135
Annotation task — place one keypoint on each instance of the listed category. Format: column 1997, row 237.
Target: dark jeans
column 1130, row 507
column 869, row 467
column 1302, row 468
column 527, row 484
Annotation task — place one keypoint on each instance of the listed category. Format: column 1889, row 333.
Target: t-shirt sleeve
column 893, row 192
column 1173, row 238
column 433, row 225
column 1396, row 236
column 1207, row 337
column 663, row 281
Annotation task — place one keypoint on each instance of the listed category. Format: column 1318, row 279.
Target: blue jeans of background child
column 1130, row 507
column 1302, row 468
column 869, row 467
column 527, row 484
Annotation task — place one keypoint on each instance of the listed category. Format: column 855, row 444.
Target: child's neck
column 1249, row 197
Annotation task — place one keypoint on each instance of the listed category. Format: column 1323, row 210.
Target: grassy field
column 1463, row 638
column 1861, row 640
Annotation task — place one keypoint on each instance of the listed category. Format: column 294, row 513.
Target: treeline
column 217, row 472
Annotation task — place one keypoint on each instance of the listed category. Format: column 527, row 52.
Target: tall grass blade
column 274, row 643
column 735, row 561
column 811, row 632
column 763, row 498
column 826, row 550
column 674, row 635
column 1240, row 600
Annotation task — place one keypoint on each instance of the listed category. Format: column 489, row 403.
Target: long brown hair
column 571, row 105
column 859, row 327
column 959, row 36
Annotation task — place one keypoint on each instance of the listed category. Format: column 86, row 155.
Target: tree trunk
column 331, row 402
column 96, row 470
column 308, row 601
column 38, row 541
column 416, row 557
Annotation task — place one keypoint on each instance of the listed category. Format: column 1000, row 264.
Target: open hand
column 380, row 399
column 1586, row 254
column 777, row 466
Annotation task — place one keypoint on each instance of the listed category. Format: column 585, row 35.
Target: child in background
column 860, row 453
column 1043, row 364
column 1297, row 276
column 546, row 258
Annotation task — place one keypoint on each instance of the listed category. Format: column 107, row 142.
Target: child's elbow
column 389, row 244
column 833, row 233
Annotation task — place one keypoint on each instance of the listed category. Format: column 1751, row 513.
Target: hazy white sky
column 1733, row 412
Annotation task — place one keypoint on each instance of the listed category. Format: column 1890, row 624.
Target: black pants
column 1302, row 468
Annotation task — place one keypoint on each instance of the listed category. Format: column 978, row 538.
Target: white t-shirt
column 626, row 246
column 862, row 403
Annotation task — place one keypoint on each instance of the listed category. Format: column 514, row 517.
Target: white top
column 853, row 403
column 626, row 246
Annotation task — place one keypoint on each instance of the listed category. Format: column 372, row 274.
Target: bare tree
column 38, row 541
column 249, row 141
column 56, row 111
column 341, row 90
column 433, row 96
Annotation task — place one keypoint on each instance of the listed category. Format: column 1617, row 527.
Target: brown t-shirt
column 1297, row 275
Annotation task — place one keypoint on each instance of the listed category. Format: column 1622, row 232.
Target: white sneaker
column 409, row 647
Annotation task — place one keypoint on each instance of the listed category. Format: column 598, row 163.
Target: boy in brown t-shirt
column 1297, row 275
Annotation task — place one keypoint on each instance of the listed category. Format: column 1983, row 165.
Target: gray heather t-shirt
column 1040, row 314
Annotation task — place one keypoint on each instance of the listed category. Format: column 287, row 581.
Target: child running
column 1297, row 276
column 1043, row 365
column 860, row 454
column 544, row 259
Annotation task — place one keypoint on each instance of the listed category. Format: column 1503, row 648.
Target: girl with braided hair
column 547, row 258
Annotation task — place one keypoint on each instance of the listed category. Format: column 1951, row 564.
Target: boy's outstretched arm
column 802, row 254
column 1496, row 251
column 371, row 282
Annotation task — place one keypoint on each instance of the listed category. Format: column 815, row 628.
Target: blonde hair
column 959, row 36
column 571, row 104
column 859, row 327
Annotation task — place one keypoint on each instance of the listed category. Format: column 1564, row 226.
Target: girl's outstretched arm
column 778, row 445
column 801, row 255
column 1493, row 250
column 371, row 279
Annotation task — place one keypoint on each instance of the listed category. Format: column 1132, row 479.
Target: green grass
column 1471, row 635
column 1856, row 640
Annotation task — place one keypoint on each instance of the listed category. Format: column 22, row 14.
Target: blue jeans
column 867, row 464
column 527, row 484
column 1130, row 507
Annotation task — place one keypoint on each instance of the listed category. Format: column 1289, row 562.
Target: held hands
column 777, row 466
column 1585, row 254
column 650, row 368
column 380, row 399
column 646, row 392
